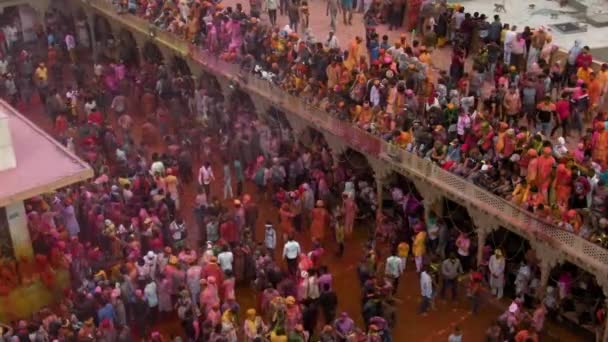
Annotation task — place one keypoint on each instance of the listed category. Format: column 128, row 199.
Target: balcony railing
column 576, row 249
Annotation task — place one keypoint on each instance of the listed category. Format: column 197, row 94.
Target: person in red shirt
column 562, row 109
column 228, row 231
column 61, row 125
column 95, row 118
column 212, row 269
column 584, row 59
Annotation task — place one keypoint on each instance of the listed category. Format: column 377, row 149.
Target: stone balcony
column 488, row 211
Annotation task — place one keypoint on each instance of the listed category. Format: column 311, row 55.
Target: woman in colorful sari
column 320, row 220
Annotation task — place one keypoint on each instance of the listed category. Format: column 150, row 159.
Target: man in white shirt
column 178, row 232
column 205, row 177
column 291, row 252
column 426, row 288
column 157, row 166
column 510, row 37
column 225, row 259
column 393, row 269
column 497, row 273
column 271, row 6
column 332, row 41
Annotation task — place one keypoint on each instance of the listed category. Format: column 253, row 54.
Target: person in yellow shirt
column 41, row 76
column 42, row 73
column 403, row 251
column 584, row 74
column 278, row 335
column 419, row 246
column 520, row 193
column 425, row 56
column 172, row 186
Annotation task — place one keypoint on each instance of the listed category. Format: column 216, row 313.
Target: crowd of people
column 133, row 261
column 494, row 125
column 135, row 258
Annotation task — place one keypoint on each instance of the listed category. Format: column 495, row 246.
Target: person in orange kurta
column 545, row 168
column 320, row 221
column 562, row 185
column 532, row 174
column 286, row 217
column 600, row 145
column 594, row 90
column 355, row 50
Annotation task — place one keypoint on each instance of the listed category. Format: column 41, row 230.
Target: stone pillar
column 41, row 7
column 20, row 234
column 432, row 198
column 298, row 125
column 262, row 106
column 484, row 225
column 381, row 171
column 91, row 24
column 336, row 145
column 545, row 272
column 380, row 193
column 225, row 88
column 482, row 235
column 548, row 259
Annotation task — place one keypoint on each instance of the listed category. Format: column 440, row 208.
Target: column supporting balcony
column 549, row 258
column 432, row 198
column 381, row 172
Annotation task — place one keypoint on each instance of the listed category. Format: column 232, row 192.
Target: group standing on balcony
column 494, row 125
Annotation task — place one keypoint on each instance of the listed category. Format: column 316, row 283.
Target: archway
column 355, row 175
column 151, row 53
column 103, row 30
column 517, row 252
column 402, row 206
column 461, row 230
column 312, row 139
column 211, row 85
column 180, row 67
column 578, row 296
column 127, row 48
column 82, row 29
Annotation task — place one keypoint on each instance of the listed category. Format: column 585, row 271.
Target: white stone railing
column 572, row 248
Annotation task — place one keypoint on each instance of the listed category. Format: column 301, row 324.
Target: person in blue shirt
column 106, row 312
column 374, row 48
